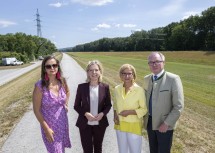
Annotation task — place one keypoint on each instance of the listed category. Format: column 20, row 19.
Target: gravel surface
column 26, row 136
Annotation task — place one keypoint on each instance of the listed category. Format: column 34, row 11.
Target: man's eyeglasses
column 151, row 63
column 127, row 74
column 54, row 66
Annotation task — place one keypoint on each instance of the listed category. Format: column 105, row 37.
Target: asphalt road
column 8, row 75
column 26, row 136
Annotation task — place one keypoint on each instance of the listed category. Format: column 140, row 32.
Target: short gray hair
column 159, row 53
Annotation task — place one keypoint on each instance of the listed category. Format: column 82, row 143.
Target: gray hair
column 159, row 53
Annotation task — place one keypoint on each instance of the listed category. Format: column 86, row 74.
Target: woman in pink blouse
column 50, row 104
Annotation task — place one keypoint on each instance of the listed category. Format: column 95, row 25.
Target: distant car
column 16, row 62
column 11, row 61
column 40, row 58
column 8, row 60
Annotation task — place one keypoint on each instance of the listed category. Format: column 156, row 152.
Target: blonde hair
column 127, row 66
column 94, row 62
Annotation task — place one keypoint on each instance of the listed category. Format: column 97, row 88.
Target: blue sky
column 71, row 22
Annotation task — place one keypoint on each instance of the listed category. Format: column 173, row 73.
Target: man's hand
column 163, row 128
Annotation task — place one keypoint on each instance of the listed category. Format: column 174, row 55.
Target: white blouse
column 94, row 100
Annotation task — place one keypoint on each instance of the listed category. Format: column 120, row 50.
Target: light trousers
column 128, row 142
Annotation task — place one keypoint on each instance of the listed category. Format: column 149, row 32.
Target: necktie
column 155, row 77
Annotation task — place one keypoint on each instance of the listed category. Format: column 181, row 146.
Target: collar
column 159, row 74
column 133, row 86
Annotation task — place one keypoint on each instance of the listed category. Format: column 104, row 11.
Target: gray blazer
column 167, row 99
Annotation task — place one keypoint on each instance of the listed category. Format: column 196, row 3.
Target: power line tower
column 39, row 32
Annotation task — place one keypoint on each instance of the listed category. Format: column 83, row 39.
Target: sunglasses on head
column 51, row 66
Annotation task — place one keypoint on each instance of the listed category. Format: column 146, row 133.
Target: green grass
column 197, row 72
column 198, row 80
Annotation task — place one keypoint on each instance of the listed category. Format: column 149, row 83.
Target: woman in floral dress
column 50, row 104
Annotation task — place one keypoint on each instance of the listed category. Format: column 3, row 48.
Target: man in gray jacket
column 165, row 102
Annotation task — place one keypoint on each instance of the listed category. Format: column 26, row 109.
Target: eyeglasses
column 54, row 66
column 155, row 62
column 127, row 74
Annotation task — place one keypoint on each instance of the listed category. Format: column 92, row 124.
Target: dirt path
column 26, row 137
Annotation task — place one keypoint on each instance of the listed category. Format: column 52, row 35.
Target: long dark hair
column 45, row 83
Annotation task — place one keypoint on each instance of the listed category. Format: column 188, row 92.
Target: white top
column 94, row 100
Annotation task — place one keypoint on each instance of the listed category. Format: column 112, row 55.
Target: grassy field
column 195, row 132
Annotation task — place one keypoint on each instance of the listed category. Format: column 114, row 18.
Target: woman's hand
column 66, row 107
column 125, row 113
column 116, row 119
column 49, row 135
column 90, row 117
column 99, row 116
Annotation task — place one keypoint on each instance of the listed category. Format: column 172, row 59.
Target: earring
column 46, row 77
column 58, row 75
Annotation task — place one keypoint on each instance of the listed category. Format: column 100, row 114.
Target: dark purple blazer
column 82, row 103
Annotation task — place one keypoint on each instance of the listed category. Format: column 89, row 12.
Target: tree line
column 194, row 33
column 25, row 47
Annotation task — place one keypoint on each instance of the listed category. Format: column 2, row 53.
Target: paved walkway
column 26, row 137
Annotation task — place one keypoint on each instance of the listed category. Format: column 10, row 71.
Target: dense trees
column 193, row 33
column 24, row 47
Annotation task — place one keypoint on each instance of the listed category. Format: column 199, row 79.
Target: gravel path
column 26, row 136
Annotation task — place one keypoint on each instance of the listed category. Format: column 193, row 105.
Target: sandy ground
column 26, row 136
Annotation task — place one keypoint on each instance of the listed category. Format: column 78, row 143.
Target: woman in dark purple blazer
column 93, row 102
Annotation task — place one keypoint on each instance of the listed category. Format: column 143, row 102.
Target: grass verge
column 16, row 96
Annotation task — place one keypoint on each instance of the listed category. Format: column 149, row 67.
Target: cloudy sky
column 71, row 22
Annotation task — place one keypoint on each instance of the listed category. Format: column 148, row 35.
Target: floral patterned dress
column 55, row 115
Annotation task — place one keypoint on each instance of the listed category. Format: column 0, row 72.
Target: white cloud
column 129, row 25
column 4, row 23
column 188, row 14
column 103, row 25
column 117, row 25
column 138, row 30
column 58, row 4
column 93, row 2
